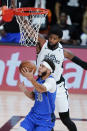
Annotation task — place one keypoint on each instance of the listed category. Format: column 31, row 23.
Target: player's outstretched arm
column 26, row 92
column 69, row 55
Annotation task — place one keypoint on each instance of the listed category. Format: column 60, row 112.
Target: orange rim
column 30, row 11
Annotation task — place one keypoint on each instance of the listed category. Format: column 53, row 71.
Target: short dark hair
column 55, row 29
column 51, row 63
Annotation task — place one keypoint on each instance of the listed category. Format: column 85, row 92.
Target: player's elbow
column 68, row 54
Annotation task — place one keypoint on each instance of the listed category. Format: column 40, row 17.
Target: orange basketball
column 31, row 66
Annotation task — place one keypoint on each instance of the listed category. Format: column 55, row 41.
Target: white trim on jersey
column 50, row 84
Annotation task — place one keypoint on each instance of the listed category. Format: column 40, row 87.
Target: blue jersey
column 42, row 112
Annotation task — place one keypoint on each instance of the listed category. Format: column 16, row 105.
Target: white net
column 29, row 28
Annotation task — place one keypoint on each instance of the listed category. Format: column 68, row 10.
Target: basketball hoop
column 30, row 20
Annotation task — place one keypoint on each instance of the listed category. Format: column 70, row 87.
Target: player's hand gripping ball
column 31, row 66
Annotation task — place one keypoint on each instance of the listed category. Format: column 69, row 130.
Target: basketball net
column 29, row 20
column 29, row 28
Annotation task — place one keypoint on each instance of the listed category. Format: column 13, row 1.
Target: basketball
column 31, row 66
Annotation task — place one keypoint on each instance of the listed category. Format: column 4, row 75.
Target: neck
column 52, row 47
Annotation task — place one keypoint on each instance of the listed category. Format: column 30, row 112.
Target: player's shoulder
column 50, row 83
column 46, row 42
column 45, row 45
column 51, row 79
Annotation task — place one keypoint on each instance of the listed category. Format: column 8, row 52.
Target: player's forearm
column 40, row 88
column 79, row 62
column 75, row 59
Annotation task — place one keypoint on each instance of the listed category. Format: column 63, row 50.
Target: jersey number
column 39, row 97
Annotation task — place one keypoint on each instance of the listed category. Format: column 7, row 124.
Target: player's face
column 42, row 71
column 53, row 39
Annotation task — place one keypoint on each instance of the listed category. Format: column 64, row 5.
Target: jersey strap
column 61, row 80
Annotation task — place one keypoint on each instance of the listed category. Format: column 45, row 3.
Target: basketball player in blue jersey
column 41, row 117
column 53, row 49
